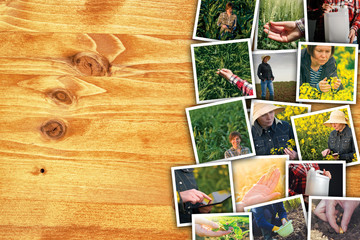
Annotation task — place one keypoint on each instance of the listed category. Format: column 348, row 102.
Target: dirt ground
column 299, row 224
column 321, row 230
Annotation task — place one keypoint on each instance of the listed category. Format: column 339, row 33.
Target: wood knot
column 54, row 129
column 91, row 64
column 61, row 96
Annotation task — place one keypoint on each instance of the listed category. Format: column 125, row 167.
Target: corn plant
column 278, row 11
column 233, row 56
column 210, row 11
column 212, row 126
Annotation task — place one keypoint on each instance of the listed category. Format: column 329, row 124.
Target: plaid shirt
column 233, row 153
column 297, row 177
column 229, row 21
column 242, row 85
column 354, row 9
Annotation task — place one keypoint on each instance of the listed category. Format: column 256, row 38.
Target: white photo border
column 298, row 99
column 197, row 97
column 214, row 104
column 347, row 107
column 343, row 163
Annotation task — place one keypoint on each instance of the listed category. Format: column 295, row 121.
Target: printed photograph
column 271, row 127
column 222, row 226
column 280, row 219
column 334, row 218
column 222, row 70
column 327, row 73
column 326, row 135
column 275, row 75
column 281, row 24
column 224, row 20
column 258, row 180
column 335, row 21
column 220, row 131
column 315, row 178
column 202, row 189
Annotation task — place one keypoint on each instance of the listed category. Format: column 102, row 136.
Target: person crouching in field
column 227, row 20
column 269, row 132
column 245, row 87
column 340, row 142
column 317, row 66
column 236, row 149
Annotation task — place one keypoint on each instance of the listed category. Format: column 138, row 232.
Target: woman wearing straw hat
column 269, row 132
column 266, row 76
column 340, row 143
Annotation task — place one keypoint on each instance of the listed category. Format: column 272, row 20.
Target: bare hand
column 337, row 83
column 194, row 196
column 282, row 31
column 226, row 73
column 263, row 190
column 205, row 209
column 224, row 26
column 327, row 7
column 324, row 85
column 203, row 228
column 326, row 211
column 292, row 154
column 352, row 35
column 326, row 173
column 325, row 152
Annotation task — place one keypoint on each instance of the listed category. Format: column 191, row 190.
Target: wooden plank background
column 108, row 175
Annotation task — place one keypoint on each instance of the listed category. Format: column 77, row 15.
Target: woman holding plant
column 266, row 76
column 318, row 67
column 340, row 144
column 227, row 20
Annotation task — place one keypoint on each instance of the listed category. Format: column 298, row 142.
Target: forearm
column 242, row 85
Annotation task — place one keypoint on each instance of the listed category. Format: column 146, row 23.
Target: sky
column 283, row 65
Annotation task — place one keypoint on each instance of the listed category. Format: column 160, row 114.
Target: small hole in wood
column 42, row 170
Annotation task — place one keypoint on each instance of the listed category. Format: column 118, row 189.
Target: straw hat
column 264, row 56
column 264, row 108
column 336, row 116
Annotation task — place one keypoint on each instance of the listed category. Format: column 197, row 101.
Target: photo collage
column 266, row 166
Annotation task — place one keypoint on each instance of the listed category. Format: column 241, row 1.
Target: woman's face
column 236, row 142
column 266, row 59
column 338, row 126
column 321, row 55
column 266, row 120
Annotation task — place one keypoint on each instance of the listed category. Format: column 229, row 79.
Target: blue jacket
column 342, row 143
column 276, row 208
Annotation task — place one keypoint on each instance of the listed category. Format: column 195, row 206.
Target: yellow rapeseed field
column 313, row 135
column 247, row 172
column 345, row 60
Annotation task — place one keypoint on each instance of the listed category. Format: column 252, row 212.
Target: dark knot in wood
column 91, row 64
column 61, row 96
column 54, row 129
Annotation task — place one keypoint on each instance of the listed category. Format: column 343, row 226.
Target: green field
column 211, row 127
column 210, row 11
column 233, row 56
column 278, row 11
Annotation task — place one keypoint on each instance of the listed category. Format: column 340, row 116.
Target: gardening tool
column 336, row 25
column 316, row 183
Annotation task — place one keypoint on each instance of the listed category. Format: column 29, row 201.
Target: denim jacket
column 276, row 136
column 185, row 180
column 259, row 216
column 342, row 143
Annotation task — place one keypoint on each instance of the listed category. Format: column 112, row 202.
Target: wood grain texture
column 108, row 177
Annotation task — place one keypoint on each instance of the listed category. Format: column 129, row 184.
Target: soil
column 299, row 224
column 321, row 230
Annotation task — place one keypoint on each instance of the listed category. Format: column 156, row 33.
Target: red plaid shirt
column 297, row 177
column 354, row 9
column 242, row 85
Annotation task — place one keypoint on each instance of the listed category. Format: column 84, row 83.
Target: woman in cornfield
column 227, row 20
column 340, row 143
column 236, row 149
column 266, row 76
column 317, row 66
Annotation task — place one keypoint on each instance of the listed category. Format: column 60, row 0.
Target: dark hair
column 234, row 134
column 228, row 6
column 311, row 48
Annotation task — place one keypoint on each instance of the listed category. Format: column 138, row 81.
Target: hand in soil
column 203, row 228
column 326, row 211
